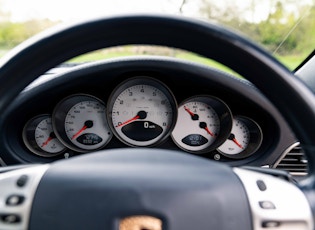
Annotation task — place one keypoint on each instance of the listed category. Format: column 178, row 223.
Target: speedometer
column 142, row 112
column 80, row 123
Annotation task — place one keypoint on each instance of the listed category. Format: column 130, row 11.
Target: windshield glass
column 284, row 27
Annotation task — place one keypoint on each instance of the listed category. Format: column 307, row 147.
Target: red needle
column 188, row 110
column 79, row 132
column 140, row 115
column 46, row 142
column 130, row 120
column 87, row 124
column 232, row 138
column 237, row 143
column 208, row 131
column 194, row 116
column 203, row 125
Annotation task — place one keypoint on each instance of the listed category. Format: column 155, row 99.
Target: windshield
column 284, row 27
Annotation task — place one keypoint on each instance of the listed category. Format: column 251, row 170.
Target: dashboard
column 143, row 102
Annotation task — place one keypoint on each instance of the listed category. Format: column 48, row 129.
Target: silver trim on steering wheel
column 17, row 191
column 275, row 203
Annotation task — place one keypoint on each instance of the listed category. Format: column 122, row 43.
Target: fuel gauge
column 244, row 139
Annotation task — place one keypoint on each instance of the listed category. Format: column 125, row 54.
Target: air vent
column 293, row 161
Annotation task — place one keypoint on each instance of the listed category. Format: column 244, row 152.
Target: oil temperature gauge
column 80, row 123
column 244, row 139
column 203, row 124
column 39, row 137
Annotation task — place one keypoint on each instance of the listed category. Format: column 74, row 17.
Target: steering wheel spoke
column 275, row 203
column 16, row 195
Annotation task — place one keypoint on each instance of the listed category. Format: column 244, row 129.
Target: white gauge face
column 141, row 114
column 197, row 126
column 46, row 139
column 39, row 137
column 85, row 125
column 238, row 140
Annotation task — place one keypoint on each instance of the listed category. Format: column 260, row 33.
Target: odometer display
column 142, row 112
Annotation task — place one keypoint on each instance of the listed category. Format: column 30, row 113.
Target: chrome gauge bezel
column 225, row 122
column 29, row 137
column 59, row 118
column 142, row 81
column 255, row 139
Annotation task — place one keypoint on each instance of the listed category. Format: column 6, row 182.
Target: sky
column 73, row 10
column 69, row 10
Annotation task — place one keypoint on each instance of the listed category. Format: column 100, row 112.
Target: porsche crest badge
column 140, row 223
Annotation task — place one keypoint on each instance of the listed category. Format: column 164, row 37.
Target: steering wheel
column 148, row 189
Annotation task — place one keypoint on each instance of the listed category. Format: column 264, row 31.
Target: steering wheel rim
column 32, row 58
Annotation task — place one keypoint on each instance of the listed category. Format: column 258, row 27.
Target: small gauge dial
column 203, row 124
column 244, row 139
column 39, row 137
column 142, row 112
column 80, row 122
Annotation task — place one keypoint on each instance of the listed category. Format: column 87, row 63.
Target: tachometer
column 39, row 137
column 80, row 123
column 203, row 124
column 142, row 112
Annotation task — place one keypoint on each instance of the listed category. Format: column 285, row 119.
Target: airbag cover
column 96, row 191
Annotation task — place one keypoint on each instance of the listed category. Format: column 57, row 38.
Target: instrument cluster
column 142, row 112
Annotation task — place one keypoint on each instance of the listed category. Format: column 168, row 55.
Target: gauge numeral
column 147, row 125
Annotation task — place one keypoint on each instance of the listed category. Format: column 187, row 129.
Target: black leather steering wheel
column 101, row 190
